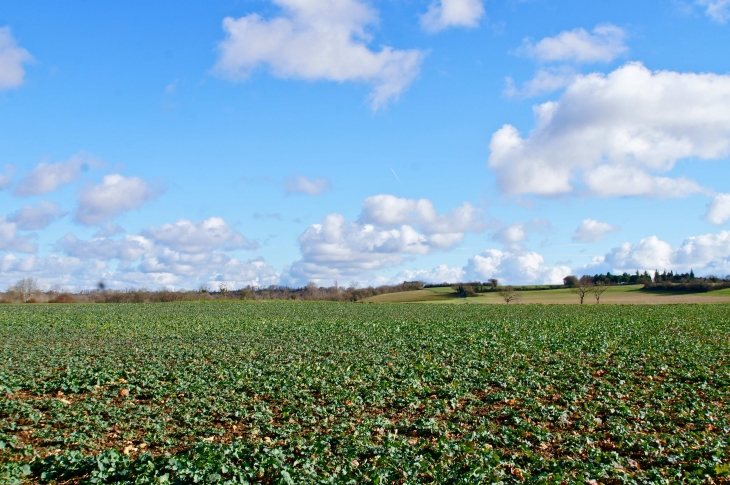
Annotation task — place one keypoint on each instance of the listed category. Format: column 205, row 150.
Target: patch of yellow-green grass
column 723, row 292
column 430, row 295
column 441, row 289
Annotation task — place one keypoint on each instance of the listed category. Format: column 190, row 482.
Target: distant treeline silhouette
column 664, row 281
column 27, row 291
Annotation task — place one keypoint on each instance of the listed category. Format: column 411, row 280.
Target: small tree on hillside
column 582, row 288
column 570, row 281
column 465, row 291
column 598, row 291
column 509, row 294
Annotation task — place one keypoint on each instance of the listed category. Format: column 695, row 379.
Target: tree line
column 27, row 290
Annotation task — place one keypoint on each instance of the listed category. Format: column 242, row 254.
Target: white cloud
column 317, row 39
column 604, row 44
column 6, row 178
column 512, row 234
column 109, row 229
column 514, row 267
column 617, row 181
column 211, row 269
column 545, row 81
column 590, row 231
column 116, row 194
column 718, row 10
column 168, row 269
column 444, row 230
column 237, row 274
column 300, row 184
column 337, row 249
column 47, row 177
column 442, row 14
column 131, row 248
column 51, row 270
column 650, row 253
column 440, row 274
column 11, row 241
column 180, row 255
column 705, row 254
column 199, row 237
column 40, row 216
column 616, row 132
column 718, row 212
column 12, row 59
column 388, row 231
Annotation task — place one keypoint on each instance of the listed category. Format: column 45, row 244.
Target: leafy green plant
column 305, row 393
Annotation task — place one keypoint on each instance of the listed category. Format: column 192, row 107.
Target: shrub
column 63, row 298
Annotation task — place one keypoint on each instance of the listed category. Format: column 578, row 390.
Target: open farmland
column 616, row 294
column 311, row 393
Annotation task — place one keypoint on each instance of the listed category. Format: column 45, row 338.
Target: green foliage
column 314, row 393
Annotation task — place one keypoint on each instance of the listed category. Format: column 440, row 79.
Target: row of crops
column 315, row 393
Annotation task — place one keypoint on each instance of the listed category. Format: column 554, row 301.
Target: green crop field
column 315, row 393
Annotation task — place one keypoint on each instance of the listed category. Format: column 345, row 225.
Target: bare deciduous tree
column 26, row 288
column 509, row 294
column 582, row 288
column 598, row 291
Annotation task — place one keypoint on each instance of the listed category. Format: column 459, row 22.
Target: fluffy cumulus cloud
column 388, row 230
column 705, row 254
column 591, row 230
column 130, row 248
column 441, row 230
column 181, row 255
column 516, row 267
column 173, row 268
column 300, row 184
column 12, row 60
column 237, row 274
column 616, row 134
column 52, row 270
column 512, row 234
column 443, row 14
column 47, row 177
column 199, row 237
column 545, row 81
column 6, row 176
column 440, row 274
column 114, row 195
column 336, row 249
column 604, row 44
column 513, row 266
column 10, row 240
column 317, row 39
column 39, row 216
column 718, row 10
column 718, row 212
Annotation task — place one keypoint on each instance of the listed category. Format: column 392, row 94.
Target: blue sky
column 187, row 143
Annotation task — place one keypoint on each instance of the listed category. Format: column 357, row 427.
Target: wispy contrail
column 396, row 175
